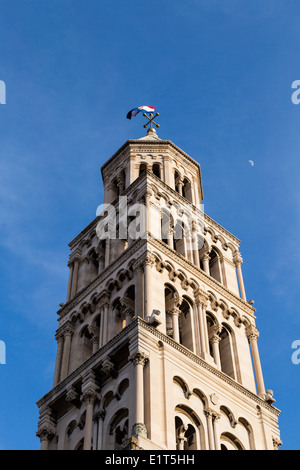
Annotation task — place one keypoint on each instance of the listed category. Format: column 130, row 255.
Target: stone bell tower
column 157, row 346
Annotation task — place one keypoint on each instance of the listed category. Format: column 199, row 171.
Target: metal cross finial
column 151, row 117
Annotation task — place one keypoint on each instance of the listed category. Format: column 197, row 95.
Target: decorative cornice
column 131, row 328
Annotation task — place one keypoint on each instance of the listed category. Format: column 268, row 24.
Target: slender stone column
column 252, row 334
column 148, row 263
column 237, row 259
column 195, row 246
column 105, row 322
column 168, row 174
column 139, row 290
column 215, row 341
column 88, row 397
column 181, row 439
column 100, row 418
column 175, row 312
column 60, row 343
column 139, row 359
column 71, row 268
column 107, row 252
column 216, row 418
column 101, row 327
column 75, row 277
column 68, row 333
column 205, row 261
column 201, row 300
column 180, row 185
column 94, row 332
column 209, row 418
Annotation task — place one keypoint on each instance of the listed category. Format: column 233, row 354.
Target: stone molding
column 140, row 323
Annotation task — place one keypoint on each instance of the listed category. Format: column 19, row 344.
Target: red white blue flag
column 135, row 111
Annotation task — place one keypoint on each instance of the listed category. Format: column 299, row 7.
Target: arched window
column 187, row 190
column 226, row 352
column 117, row 435
column 166, row 227
column 143, row 168
column 215, row 265
column 186, row 324
column 229, row 442
column 156, row 169
column 86, row 343
column 188, row 429
column 177, row 181
column 171, row 296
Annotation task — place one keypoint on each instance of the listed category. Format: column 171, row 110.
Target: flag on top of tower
column 135, row 111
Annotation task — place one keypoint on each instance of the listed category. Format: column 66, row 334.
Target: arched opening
column 188, row 429
column 226, row 352
column 156, row 169
column 171, row 296
column 143, row 168
column 229, row 442
column 128, row 305
column 166, row 223
column 117, row 436
column 86, row 343
column 69, row 431
column 215, row 267
column 186, row 324
column 187, row 190
column 179, row 240
column 177, row 181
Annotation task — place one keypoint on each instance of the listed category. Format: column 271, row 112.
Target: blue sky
column 220, row 75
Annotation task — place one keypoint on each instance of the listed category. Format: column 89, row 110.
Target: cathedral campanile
column 157, row 346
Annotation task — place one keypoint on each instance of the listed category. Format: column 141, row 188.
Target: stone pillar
column 88, row 396
column 215, row 341
column 252, row 334
column 148, row 263
column 237, row 259
column 46, row 428
column 216, row 418
column 201, row 300
column 71, row 268
column 99, row 419
column 139, row 359
column 101, row 327
column 60, row 343
column 181, row 439
column 94, row 332
column 205, row 261
column 209, row 419
column 195, row 245
column 101, row 259
column 139, row 290
column 75, row 277
column 107, row 252
column 168, row 174
column 105, row 322
column 68, row 333
column 175, row 312
column 180, row 185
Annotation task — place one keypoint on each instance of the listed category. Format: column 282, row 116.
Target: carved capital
column 139, row 358
column 252, row 332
